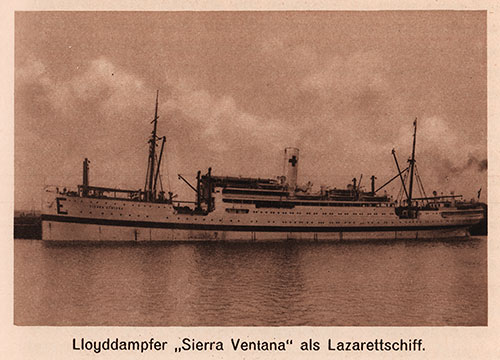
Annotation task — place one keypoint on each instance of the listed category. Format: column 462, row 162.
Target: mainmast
column 149, row 190
column 412, row 162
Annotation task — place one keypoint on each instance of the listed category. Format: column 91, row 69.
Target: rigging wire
column 400, row 195
column 109, row 172
column 419, row 181
column 169, row 187
column 419, row 184
column 147, row 175
column 161, row 184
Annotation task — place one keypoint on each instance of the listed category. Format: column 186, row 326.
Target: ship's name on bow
column 109, row 207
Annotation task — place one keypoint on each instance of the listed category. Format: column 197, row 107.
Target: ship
column 230, row 208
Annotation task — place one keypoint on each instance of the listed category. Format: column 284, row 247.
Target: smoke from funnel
column 480, row 165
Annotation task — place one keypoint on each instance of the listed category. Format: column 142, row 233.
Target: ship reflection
column 285, row 283
column 257, row 284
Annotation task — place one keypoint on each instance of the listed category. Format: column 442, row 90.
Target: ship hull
column 75, row 218
column 88, row 230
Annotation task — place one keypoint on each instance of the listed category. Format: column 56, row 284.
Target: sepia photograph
column 250, row 168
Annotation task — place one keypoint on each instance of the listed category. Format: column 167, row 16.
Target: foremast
column 153, row 169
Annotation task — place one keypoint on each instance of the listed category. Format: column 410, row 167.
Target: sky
column 236, row 88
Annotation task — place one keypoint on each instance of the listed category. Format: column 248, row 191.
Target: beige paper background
column 55, row 342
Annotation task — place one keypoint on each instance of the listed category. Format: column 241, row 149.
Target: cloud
column 348, row 75
column 234, row 99
column 342, row 125
column 231, row 139
column 103, row 112
column 95, row 113
column 288, row 53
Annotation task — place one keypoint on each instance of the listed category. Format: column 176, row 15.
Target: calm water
column 195, row 284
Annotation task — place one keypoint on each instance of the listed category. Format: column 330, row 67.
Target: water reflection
column 227, row 284
column 253, row 277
